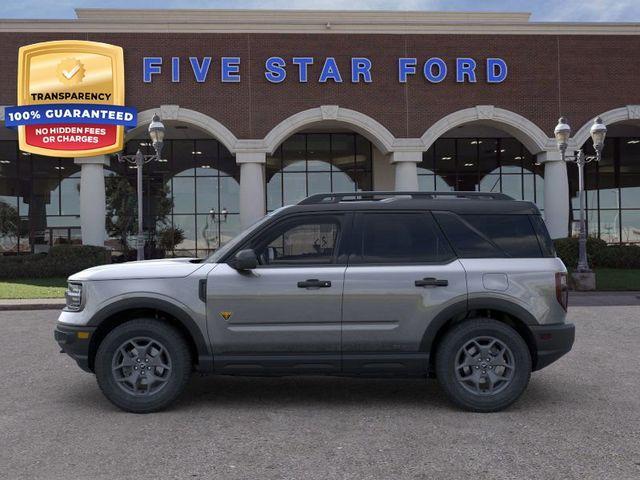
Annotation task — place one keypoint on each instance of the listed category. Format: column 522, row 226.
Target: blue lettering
column 360, row 67
column 275, row 69
column 465, row 67
column 330, row 71
column 230, row 70
column 175, row 69
column 200, row 71
column 406, row 66
column 496, row 70
column 303, row 64
column 428, row 70
column 151, row 66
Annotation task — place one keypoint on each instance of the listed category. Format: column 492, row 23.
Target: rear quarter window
column 495, row 235
column 514, row 234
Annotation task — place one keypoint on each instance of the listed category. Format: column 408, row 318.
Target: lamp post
column 562, row 133
column 156, row 133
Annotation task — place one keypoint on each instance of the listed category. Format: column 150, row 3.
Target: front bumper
column 75, row 341
column 552, row 342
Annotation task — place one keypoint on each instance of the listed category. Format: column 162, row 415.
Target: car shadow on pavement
column 226, row 392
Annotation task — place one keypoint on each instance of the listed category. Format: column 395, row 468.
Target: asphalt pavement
column 579, row 418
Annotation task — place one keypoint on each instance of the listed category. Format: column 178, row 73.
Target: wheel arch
column 504, row 311
column 117, row 313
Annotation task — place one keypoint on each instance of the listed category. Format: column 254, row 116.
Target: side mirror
column 245, row 260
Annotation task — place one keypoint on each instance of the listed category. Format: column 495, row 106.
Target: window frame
column 344, row 220
column 355, row 248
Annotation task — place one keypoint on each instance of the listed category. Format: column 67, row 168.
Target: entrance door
column 401, row 275
column 286, row 313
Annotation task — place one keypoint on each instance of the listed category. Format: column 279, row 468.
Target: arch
column 629, row 112
column 197, row 119
column 373, row 130
column 527, row 132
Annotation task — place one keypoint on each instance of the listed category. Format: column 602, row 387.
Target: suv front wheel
column 143, row 365
column 483, row 365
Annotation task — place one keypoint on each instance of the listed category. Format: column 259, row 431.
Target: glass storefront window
column 308, row 163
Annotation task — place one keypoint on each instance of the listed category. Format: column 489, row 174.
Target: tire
column 143, row 365
column 468, row 379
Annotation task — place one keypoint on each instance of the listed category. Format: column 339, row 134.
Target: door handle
column 314, row 283
column 431, row 282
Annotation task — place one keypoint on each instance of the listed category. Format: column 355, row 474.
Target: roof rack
column 360, row 196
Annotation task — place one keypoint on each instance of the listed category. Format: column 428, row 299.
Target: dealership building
column 263, row 108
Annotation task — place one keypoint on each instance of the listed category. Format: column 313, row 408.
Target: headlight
column 73, row 295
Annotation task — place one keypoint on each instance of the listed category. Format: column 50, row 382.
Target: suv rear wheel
column 483, row 365
column 143, row 365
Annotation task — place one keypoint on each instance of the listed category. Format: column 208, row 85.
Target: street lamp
column 156, row 133
column 562, row 133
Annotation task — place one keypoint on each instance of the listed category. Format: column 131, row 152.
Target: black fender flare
column 462, row 308
column 205, row 358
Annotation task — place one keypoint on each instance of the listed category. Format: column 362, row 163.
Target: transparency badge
column 70, row 99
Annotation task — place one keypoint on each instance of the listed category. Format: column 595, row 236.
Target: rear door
column 402, row 272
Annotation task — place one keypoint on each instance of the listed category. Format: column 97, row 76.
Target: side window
column 466, row 240
column 402, row 238
column 302, row 242
column 512, row 233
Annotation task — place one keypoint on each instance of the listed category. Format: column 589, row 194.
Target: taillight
column 562, row 290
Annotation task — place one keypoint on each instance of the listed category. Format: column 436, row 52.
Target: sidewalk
column 576, row 299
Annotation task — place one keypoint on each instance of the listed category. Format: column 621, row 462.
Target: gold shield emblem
column 71, row 72
column 226, row 315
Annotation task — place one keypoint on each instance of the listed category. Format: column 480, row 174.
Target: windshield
column 238, row 239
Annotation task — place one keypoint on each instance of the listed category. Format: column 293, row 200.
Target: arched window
column 308, row 163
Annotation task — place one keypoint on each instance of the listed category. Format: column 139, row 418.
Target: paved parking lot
column 580, row 418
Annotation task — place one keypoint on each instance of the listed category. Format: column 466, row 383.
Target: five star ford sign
column 70, row 99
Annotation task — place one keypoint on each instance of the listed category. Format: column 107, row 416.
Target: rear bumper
column 75, row 341
column 552, row 342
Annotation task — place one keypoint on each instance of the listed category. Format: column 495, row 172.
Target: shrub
column 599, row 254
column 61, row 261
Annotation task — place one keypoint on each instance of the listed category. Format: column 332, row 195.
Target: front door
column 401, row 274
column 285, row 314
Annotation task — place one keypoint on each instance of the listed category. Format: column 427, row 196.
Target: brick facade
column 574, row 75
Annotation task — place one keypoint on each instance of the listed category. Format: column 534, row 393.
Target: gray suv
column 461, row 286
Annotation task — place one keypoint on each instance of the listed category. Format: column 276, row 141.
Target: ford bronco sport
column 462, row 286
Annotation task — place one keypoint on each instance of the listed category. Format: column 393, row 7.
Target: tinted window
column 466, row 240
column 303, row 242
column 402, row 238
column 514, row 234
column 546, row 244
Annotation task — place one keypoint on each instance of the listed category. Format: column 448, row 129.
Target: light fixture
column 468, row 164
column 196, row 152
column 205, row 166
column 156, row 133
column 632, row 142
column 598, row 132
column 562, row 133
column 476, row 142
column 446, row 158
column 502, row 150
column 58, row 168
column 4, row 162
column 517, row 158
column 224, row 213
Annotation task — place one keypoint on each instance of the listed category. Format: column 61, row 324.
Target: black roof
column 457, row 202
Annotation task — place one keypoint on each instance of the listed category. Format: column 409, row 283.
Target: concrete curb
column 32, row 304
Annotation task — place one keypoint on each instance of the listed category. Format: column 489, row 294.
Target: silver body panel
column 383, row 310
column 530, row 283
column 270, row 313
